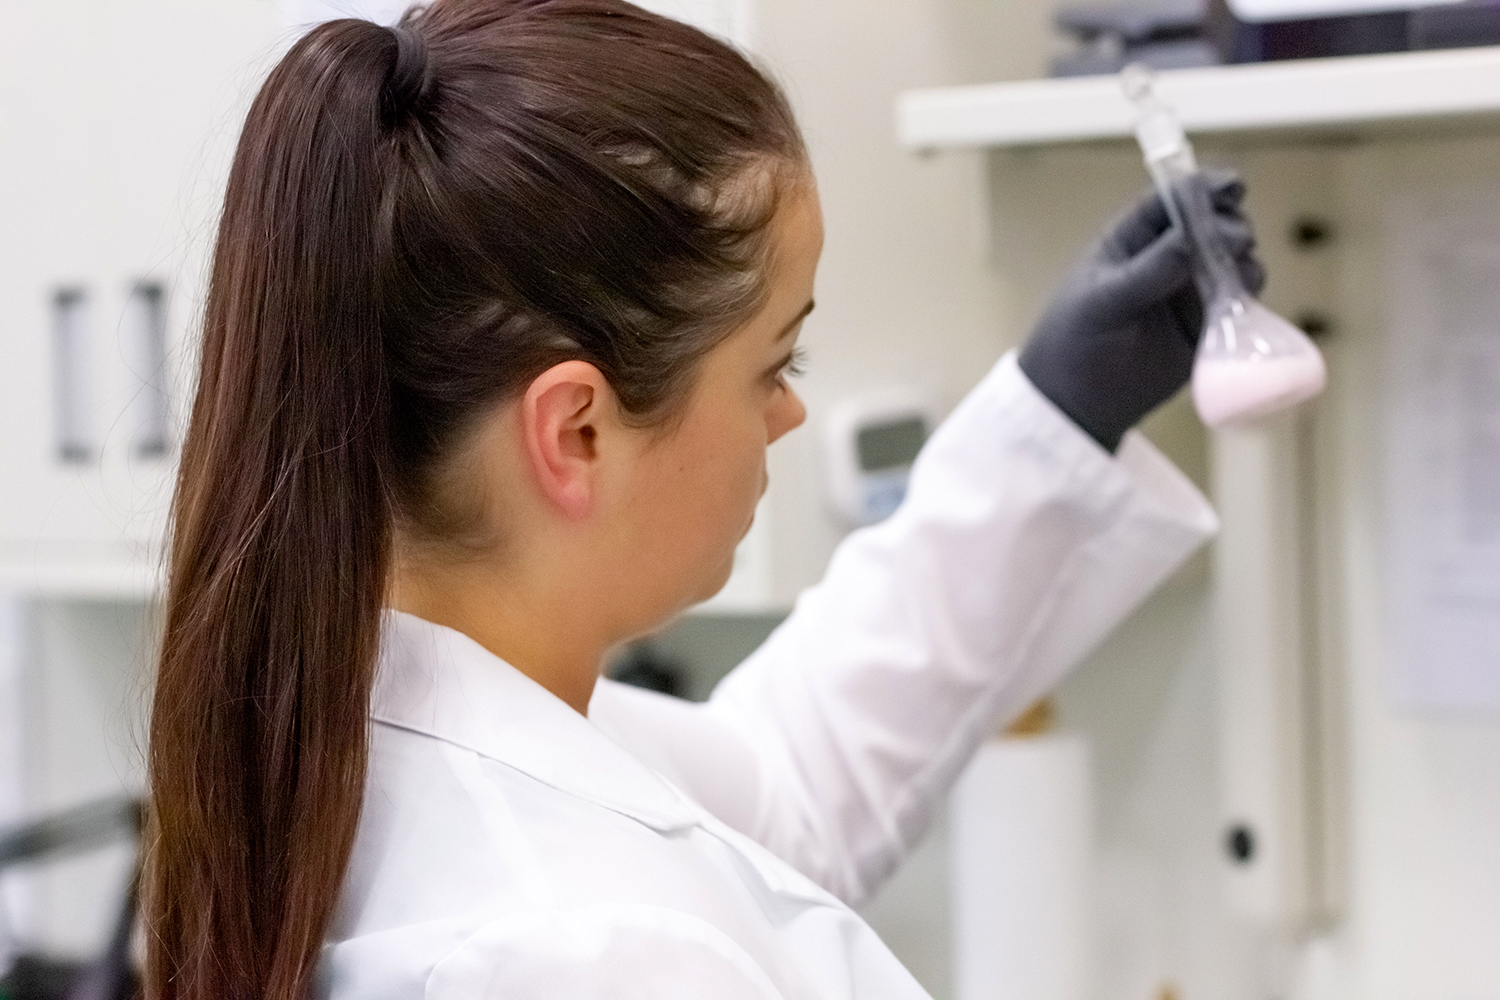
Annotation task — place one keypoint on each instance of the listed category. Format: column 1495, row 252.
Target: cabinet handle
column 72, row 376
column 143, row 343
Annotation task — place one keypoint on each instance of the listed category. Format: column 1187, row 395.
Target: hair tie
column 410, row 78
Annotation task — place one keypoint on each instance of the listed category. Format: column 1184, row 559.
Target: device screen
column 886, row 446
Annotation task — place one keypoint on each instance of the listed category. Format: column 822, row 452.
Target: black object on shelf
column 1163, row 34
column 1455, row 26
column 1442, row 27
column 1305, row 38
column 111, row 976
column 1181, row 34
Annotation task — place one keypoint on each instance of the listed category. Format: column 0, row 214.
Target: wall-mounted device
column 870, row 442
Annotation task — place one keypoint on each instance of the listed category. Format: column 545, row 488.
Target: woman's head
column 561, row 180
column 422, row 226
column 595, row 528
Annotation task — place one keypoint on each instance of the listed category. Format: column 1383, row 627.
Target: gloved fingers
column 1252, row 273
column 1226, row 188
column 1154, row 274
column 1187, row 312
column 1239, row 239
column 1137, row 227
column 1236, row 234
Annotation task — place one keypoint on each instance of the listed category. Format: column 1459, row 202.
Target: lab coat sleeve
column 1020, row 546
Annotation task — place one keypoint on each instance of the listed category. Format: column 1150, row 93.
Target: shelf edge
column 1295, row 94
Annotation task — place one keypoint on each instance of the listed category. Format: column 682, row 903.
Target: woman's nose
column 788, row 413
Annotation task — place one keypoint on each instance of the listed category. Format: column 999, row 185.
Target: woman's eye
column 795, row 365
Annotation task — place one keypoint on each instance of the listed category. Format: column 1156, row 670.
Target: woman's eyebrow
column 796, row 319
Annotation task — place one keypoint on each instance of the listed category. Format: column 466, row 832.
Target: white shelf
column 1309, row 94
column 84, row 581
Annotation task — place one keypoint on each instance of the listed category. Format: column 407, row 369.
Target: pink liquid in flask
column 1250, row 365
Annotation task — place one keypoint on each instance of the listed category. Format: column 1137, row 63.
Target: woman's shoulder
column 471, row 878
column 448, row 829
column 599, row 952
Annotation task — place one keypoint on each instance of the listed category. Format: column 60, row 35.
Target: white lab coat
column 512, row 849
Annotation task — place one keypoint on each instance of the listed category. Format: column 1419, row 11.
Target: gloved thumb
column 1160, row 270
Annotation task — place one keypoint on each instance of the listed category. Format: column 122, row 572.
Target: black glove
column 1118, row 339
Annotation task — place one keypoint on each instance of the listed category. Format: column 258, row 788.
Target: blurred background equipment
column 1268, row 30
column 1181, row 34
column 110, row 976
column 1161, row 34
column 870, row 441
column 643, row 665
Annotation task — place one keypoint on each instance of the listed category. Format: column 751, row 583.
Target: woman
column 501, row 314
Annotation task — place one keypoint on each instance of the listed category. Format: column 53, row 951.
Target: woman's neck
column 542, row 633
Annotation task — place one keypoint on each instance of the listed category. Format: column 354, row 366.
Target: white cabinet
column 117, row 120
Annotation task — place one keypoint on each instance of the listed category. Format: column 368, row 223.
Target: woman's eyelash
column 796, row 363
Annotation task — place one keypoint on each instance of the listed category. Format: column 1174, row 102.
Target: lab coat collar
column 437, row 681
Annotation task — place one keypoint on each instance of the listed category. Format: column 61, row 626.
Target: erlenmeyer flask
column 1251, row 363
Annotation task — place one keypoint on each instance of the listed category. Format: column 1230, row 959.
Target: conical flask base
column 1253, row 364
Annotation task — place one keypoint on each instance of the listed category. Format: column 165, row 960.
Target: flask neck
column 1189, row 205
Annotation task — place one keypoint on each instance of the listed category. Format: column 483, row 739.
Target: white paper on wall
column 1443, row 451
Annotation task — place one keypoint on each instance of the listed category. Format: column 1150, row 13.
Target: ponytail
column 281, row 540
column 418, row 222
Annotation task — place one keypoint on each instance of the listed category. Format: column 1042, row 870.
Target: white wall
column 906, row 291
column 1424, row 906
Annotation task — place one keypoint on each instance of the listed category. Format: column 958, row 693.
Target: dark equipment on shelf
column 1447, row 26
column 1163, row 34
column 1181, row 34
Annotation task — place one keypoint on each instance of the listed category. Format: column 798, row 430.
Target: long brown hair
column 418, row 222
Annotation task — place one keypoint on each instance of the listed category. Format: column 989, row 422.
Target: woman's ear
column 561, row 413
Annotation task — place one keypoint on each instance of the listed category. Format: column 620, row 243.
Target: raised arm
column 1022, row 543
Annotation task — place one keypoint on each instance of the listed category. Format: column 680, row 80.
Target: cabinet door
column 118, row 119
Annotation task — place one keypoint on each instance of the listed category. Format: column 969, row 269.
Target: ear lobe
column 559, row 417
